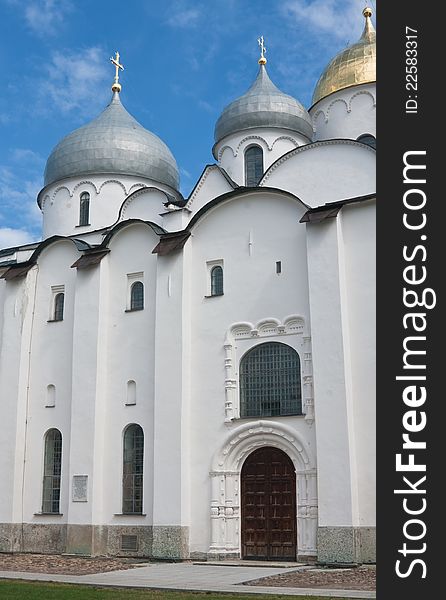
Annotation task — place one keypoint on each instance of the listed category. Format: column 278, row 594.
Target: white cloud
column 76, row 81
column 185, row 172
column 19, row 210
column 45, row 17
column 183, row 18
column 10, row 237
column 25, row 156
column 340, row 20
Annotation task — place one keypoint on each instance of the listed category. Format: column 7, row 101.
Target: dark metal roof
column 89, row 259
column 171, row 242
column 16, row 271
column 331, row 209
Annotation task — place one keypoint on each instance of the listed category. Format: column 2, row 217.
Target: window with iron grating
column 84, row 209
column 133, row 470
column 52, row 472
column 270, row 381
column 253, row 166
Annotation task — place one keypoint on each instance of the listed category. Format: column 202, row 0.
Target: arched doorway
column 268, row 506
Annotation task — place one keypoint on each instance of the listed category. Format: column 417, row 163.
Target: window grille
column 59, row 301
column 137, row 296
column 270, row 381
column 133, row 465
column 216, row 281
column 253, row 165
column 129, row 542
column 84, row 209
column 52, row 472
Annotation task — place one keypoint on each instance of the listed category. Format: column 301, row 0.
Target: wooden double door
column 268, row 506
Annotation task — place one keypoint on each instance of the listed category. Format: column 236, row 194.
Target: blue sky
column 184, row 61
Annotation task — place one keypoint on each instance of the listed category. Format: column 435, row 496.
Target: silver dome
column 113, row 143
column 263, row 105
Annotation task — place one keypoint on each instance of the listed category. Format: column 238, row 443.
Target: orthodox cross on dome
column 261, row 42
column 116, row 87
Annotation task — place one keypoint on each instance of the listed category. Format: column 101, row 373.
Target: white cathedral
column 194, row 378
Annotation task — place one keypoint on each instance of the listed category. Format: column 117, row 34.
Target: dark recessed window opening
column 217, row 281
column 59, row 301
column 133, row 465
column 84, row 209
column 137, row 296
column 253, row 166
column 368, row 139
column 270, row 381
column 52, row 472
column 279, row 266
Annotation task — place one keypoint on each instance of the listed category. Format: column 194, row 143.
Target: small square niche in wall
column 278, row 267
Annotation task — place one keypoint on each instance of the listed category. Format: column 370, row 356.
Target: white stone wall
column 348, row 113
column 274, row 142
column 341, row 279
column 60, row 202
column 248, row 234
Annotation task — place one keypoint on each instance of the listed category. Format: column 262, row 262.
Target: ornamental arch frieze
column 243, row 336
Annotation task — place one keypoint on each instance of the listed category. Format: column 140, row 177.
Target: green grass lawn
column 31, row 590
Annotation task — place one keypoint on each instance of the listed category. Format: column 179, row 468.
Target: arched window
column 368, row 139
column 137, row 296
column 217, row 281
column 132, row 475
column 59, row 300
column 84, row 209
column 52, row 471
column 270, row 383
column 253, row 165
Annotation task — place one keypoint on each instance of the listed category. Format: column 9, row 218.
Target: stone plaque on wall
column 79, row 489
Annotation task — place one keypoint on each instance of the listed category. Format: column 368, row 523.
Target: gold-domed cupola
column 353, row 66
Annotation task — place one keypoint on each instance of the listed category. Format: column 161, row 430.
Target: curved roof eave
column 240, row 191
column 311, row 146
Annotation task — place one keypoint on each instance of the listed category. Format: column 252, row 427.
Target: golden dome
column 353, row 66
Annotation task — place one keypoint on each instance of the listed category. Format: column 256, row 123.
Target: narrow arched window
column 84, row 209
column 217, row 281
column 59, row 300
column 253, row 165
column 133, row 465
column 270, row 381
column 52, row 472
column 137, row 296
column 368, row 139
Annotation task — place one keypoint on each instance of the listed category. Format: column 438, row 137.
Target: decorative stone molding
column 136, row 186
column 306, row 148
column 200, row 184
column 129, row 200
column 225, row 485
column 361, row 93
column 346, row 102
column 285, row 137
column 83, row 183
column 257, row 138
column 104, row 183
column 58, row 189
column 337, row 101
column 44, row 201
column 95, row 187
column 267, row 328
column 223, row 148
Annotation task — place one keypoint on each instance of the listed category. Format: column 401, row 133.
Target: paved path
column 186, row 576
